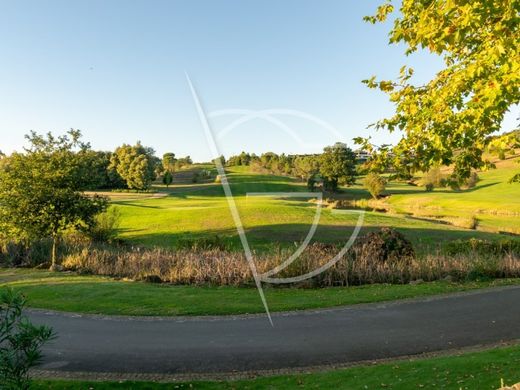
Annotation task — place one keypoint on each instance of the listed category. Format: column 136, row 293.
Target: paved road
column 226, row 344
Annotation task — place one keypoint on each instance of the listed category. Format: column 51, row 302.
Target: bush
column 433, row 179
column 375, row 184
column 218, row 179
column 384, row 245
column 195, row 178
column 21, row 342
column 24, row 253
column 106, row 225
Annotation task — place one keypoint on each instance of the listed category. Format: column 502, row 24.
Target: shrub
column 375, row 184
column 106, row 225
column 195, row 178
column 21, row 341
column 433, row 179
column 384, row 245
column 25, row 253
column 429, row 187
column 218, row 179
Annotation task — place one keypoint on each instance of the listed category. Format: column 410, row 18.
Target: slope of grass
column 102, row 295
column 198, row 210
column 494, row 201
column 471, row 371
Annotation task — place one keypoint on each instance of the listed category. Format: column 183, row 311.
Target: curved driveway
column 300, row 339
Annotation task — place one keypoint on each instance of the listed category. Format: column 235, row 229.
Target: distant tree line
column 133, row 167
column 335, row 166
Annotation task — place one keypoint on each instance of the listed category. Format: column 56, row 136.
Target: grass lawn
column 193, row 211
column 102, row 295
column 472, row 371
column 494, row 201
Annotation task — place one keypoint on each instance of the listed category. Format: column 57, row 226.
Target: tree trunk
column 54, row 250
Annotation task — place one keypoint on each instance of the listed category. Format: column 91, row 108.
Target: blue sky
column 116, row 70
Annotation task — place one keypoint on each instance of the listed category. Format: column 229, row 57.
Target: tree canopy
column 41, row 189
column 449, row 119
column 337, row 165
column 135, row 164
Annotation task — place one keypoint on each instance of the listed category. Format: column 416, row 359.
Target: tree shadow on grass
column 291, row 235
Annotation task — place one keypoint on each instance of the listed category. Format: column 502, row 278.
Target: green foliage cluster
column 167, row 178
column 449, row 120
column 20, row 342
column 136, row 165
column 335, row 166
column 41, row 190
column 375, row 184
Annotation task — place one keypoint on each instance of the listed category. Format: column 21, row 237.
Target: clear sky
column 116, row 70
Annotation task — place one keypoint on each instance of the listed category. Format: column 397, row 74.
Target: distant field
column 191, row 211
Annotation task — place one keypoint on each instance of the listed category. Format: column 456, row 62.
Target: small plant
column 218, row 179
column 375, row 184
column 429, row 187
column 195, row 178
column 20, row 341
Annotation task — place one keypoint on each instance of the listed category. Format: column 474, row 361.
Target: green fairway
column 192, row 211
column 470, row 371
column 102, row 295
column 494, row 201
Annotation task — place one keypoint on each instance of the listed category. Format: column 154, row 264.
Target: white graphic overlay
column 268, row 115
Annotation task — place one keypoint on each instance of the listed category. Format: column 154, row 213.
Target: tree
column 135, row 164
column 20, row 341
column 168, row 162
column 375, row 184
column 167, row 178
column 244, row 158
column 305, row 166
column 222, row 160
column 449, row 119
column 337, row 166
column 41, row 190
column 183, row 162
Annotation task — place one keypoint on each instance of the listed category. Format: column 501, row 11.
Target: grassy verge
column 101, row 295
column 480, row 370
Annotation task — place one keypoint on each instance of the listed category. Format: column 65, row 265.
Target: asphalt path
column 228, row 344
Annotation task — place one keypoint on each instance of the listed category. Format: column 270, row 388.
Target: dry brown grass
column 218, row 267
